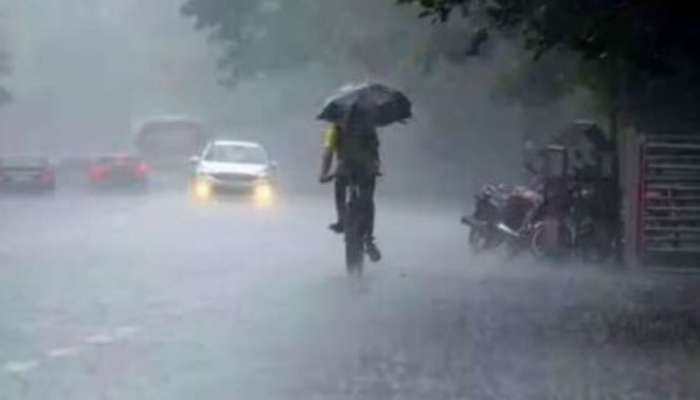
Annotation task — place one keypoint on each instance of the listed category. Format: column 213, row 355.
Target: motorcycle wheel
column 477, row 240
column 480, row 240
column 541, row 250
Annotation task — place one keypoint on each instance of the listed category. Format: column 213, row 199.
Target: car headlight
column 202, row 188
column 263, row 194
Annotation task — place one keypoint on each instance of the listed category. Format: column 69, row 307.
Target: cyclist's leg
column 367, row 187
column 341, row 186
column 363, row 200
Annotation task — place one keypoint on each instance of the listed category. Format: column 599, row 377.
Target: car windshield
column 233, row 153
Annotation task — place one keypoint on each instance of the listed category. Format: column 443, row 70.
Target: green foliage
column 591, row 27
column 624, row 45
column 5, row 63
column 263, row 36
column 647, row 34
column 5, row 69
column 537, row 83
column 5, row 96
column 260, row 36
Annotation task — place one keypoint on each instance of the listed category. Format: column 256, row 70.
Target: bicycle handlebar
column 327, row 178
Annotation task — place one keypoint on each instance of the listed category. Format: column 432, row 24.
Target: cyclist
column 355, row 147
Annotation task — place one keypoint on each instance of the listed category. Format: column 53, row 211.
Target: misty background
column 155, row 295
column 83, row 72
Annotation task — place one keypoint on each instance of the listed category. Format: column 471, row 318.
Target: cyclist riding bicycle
column 355, row 147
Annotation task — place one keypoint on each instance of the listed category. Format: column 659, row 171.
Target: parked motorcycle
column 593, row 233
column 572, row 211
column 483, row 234
column 580, row 230
column 501, row 214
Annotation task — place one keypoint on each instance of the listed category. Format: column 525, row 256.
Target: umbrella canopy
column 376, row 104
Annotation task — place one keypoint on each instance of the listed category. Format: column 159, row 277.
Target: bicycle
column 355, row 225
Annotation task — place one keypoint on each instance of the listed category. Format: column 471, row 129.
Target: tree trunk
column 614, row 86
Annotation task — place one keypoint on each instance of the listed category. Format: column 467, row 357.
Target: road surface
column 127, row 296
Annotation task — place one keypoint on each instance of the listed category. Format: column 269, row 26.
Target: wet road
column 153, row 297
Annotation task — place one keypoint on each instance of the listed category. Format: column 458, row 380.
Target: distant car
column 19, row 173
column 119, row 170
column 234, row 167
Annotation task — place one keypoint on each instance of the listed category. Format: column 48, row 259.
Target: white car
column 233, row 167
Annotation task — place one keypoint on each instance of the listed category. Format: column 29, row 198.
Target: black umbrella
column 377, row 104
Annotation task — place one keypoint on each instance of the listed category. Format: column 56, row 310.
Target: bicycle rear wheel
column 354, row 243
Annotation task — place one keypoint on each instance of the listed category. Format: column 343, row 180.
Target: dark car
column 27, row 173
column 120, row 170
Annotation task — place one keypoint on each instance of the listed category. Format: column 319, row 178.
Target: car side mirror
column 194, row 160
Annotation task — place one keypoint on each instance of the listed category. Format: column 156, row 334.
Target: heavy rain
column 332, row 199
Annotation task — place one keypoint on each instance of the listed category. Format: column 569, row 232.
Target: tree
column 5, row 58
column 5, row 69
column 244, row 29
column 261, row 37
column 626, row 48
column 627, row 42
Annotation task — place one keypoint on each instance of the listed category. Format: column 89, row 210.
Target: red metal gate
column 668, row 229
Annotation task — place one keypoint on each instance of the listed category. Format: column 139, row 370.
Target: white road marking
column 100, row 339
column 63, row 352
column 121, row 332
column 18, row 367
column 127, row 331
